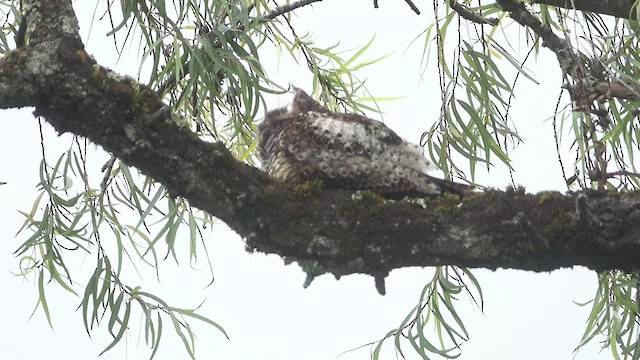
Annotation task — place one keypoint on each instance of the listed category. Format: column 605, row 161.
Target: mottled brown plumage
column 305, row 141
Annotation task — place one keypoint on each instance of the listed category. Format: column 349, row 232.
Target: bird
column 305, row 141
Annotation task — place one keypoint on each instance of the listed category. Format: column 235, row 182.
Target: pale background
column 257, row 299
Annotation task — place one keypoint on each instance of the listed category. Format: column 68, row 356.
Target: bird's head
column 303, row 103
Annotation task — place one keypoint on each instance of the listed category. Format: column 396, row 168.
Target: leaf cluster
column 436, row 313
column 67, row 217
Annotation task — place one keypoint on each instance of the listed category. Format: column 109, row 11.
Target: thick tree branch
column 329, row 228
column 618, row 8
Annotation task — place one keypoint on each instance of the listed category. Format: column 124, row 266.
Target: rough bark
column 618, row 8
column 339, row 232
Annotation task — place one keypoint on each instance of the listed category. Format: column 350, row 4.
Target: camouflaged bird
column 305, row 141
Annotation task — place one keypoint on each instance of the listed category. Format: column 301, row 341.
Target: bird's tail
column 448, row 186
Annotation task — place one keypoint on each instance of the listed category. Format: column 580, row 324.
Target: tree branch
column 583, row 93
column 288, row 8
column 618, row 8
column 470, row 15
column 584, row 71
column 567, row 57
column 332, row 229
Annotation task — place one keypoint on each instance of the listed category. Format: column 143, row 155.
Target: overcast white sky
column 260, row 301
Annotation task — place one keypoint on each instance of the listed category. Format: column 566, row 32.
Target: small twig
column 308, row 280
column 556, row 137
column 281, row 10
column 409, row 2
column 106, row 169
column 466, row 13
column 380, row 285
column 413, row 7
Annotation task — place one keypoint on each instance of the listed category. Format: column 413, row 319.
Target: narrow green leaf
column 42, row 299
column 123, row 328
